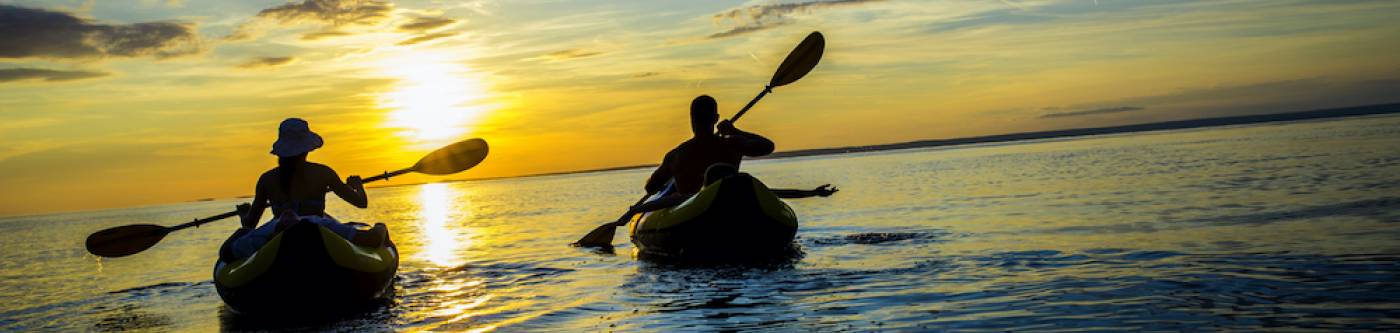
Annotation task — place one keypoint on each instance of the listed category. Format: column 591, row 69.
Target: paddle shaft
column 766, row 90
column 797, row 64
column 627, row 217
column 386, row 175
column 199, row 222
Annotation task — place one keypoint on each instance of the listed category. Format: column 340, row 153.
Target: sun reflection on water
column 440, row 205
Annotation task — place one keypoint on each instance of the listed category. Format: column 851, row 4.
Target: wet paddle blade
column 125, row 240
column 454, row 158
column 599, row 237
column 800, row 61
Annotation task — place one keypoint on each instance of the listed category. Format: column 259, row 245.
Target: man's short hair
column 704, row 108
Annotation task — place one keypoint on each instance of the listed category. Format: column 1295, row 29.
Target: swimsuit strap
column 316, row 204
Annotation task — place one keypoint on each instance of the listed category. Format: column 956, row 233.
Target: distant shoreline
column 1376, row 109
column 1090, row 131
column 1354, row 111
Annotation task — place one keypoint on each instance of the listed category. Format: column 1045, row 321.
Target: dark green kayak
column 733, row 219
column 307, row 269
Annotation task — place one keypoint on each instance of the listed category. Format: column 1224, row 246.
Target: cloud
column 427, row 37
column 47, row 75
column 267, row 62
column 760, row 13
column 743, row 29
column 1090, row 112
column 1273, row 96
column 1023, row 8
column 333, row 12
column 39, row 33
column 761, row 17
column 646, row 74
column 570, row 54
column 991, row 18
column 424, row 24
column 323, row 34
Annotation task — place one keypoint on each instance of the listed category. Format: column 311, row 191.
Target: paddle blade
column 599, row 237
column 125, row 240
column 454, row 158
column 800, row 61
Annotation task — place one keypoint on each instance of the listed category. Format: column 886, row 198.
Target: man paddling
column 712, row 156
column 717, row 154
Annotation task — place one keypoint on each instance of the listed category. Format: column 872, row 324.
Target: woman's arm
column 352, row 190
column 250, row 214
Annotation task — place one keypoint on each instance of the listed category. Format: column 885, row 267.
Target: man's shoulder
column 688, row 144
column 706, row 146
column 702, row 143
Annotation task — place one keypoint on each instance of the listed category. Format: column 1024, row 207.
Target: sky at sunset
column 117, row 103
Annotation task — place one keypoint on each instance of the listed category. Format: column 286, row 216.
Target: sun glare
column 435, row 100
column 442, row 242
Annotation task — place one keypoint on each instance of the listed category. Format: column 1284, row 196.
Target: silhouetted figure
column 709, row 156
column 296, row 192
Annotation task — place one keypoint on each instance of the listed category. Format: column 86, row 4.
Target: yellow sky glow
column 190, row 111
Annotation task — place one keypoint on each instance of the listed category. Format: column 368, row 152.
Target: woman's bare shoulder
column 321, row 172
column 268, row 178
column 319, row 168
column 269, row 175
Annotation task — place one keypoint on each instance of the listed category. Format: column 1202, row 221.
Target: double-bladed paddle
column 798, row 63
column 131, row 239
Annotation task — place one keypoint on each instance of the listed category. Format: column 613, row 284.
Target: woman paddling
column 296, row 191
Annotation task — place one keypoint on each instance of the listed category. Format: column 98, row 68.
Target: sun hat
column 294, row 137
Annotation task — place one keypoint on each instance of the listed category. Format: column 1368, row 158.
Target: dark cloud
column 333, row 12
column 423, row 24
column 647, row 74
column 47, row 75
column 760, row 17
column 758, row 13
column 267, row 62
column 571, row 54
column 1090, row 112
column 29, row 32
column 426, row 37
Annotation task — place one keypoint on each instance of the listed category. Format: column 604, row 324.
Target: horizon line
column 1313, row 114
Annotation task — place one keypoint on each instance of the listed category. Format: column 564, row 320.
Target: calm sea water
column 1269, row 227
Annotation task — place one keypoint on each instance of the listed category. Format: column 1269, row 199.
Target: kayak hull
column 307, row 269
column 733, row 219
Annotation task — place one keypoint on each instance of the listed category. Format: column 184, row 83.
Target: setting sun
column 434, row 100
